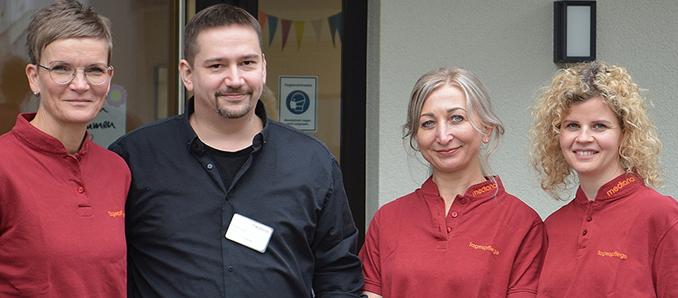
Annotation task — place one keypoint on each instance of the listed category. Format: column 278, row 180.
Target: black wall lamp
column 574, row 31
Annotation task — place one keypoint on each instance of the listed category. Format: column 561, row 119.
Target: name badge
column 249, row 232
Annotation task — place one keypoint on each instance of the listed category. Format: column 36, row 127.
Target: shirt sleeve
column 337, row 266
column 664, row 269
column 369, row 254
column 528, row 263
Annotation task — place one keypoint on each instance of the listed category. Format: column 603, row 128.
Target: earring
column 36, row 93
column 487, row 140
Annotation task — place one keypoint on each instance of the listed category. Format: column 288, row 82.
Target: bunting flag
column 272, row 26
column 317, row 24
column 335, row 23
column 262, row 18
column 285, row 31
column 299, row 29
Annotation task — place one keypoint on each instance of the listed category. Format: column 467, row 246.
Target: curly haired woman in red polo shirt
column 460, row 234
column 618, row 237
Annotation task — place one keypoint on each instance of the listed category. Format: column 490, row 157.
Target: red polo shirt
column 490, row 244
column 62, row 219
column 622, row 244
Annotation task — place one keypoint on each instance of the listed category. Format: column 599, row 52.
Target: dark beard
column 232, row 114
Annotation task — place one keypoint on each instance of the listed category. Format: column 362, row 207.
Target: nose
column 234, row 78
column 79, row 81
column 585, row 135
column 444, row 134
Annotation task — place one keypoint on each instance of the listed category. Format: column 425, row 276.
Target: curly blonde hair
column 640, row 146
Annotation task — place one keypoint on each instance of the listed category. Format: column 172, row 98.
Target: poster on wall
column 109, row 124
column 298, row 98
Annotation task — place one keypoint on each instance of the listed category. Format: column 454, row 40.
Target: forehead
column 230, row 38
column 590, row 109
column 75, row 50
column 445, row 97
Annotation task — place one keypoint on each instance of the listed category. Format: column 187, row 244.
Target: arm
column 369, row 254
column 527, row 265
column 664, row 269
column 337, row 266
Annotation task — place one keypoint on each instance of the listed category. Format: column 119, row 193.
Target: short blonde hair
column 640, row 146
column 63, row 20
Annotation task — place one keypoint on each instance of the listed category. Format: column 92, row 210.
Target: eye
column 571, row 125
column 96, row 69
column 62, row 68
column 599, row 126
column 457, row 118
column 427, row 124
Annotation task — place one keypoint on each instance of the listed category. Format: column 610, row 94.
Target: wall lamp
column 574, row 31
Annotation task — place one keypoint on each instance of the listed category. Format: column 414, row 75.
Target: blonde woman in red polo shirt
column 460, row 234
column 618, row 237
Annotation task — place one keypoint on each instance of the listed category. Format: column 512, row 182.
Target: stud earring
column 36, row 93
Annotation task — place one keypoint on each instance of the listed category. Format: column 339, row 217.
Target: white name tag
column 249, row 232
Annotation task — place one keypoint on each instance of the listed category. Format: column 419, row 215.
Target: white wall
column 509, row 45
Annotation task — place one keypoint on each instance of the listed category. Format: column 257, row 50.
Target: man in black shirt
column 226, row 203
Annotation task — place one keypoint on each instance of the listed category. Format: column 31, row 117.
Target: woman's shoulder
column 518, row 207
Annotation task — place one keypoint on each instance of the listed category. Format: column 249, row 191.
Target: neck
column 71, row 135
column 591, row 184
column 226, row 134
column 456, row 183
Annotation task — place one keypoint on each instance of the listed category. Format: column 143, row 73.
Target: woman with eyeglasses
column 62, row 197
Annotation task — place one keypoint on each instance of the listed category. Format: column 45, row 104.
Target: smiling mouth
column 585, row 153
column 448, row 151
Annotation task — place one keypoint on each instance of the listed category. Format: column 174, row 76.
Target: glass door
column 302, row 44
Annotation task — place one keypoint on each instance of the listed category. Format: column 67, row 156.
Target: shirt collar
column 197, row 146
column 481, row 191
column 617, row 188
column 41, row 141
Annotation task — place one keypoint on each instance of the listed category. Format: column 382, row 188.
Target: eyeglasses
column 63, row 73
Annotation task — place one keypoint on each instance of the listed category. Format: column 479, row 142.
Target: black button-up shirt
column 178, row 211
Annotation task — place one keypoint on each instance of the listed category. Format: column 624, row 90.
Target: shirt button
column 210, row 166
column 231, row 268
column 584, row 233
column 589, row 218
column 449, row 229
column 464, row 201
column 81, row 189
column 454, row 214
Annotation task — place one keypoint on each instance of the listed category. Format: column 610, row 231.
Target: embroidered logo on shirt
column 612, row 254
column 483, row 247
column 484, row 189
column 620, row 185
column 116, row 213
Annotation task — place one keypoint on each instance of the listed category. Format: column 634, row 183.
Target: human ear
column 186, row 73
column 32, row 75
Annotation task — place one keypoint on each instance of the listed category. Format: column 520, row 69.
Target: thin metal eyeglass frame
column 49, row 71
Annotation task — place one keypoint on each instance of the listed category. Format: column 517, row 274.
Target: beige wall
column 509, row 45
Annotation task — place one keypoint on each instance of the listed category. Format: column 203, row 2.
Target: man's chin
column 233, row 114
